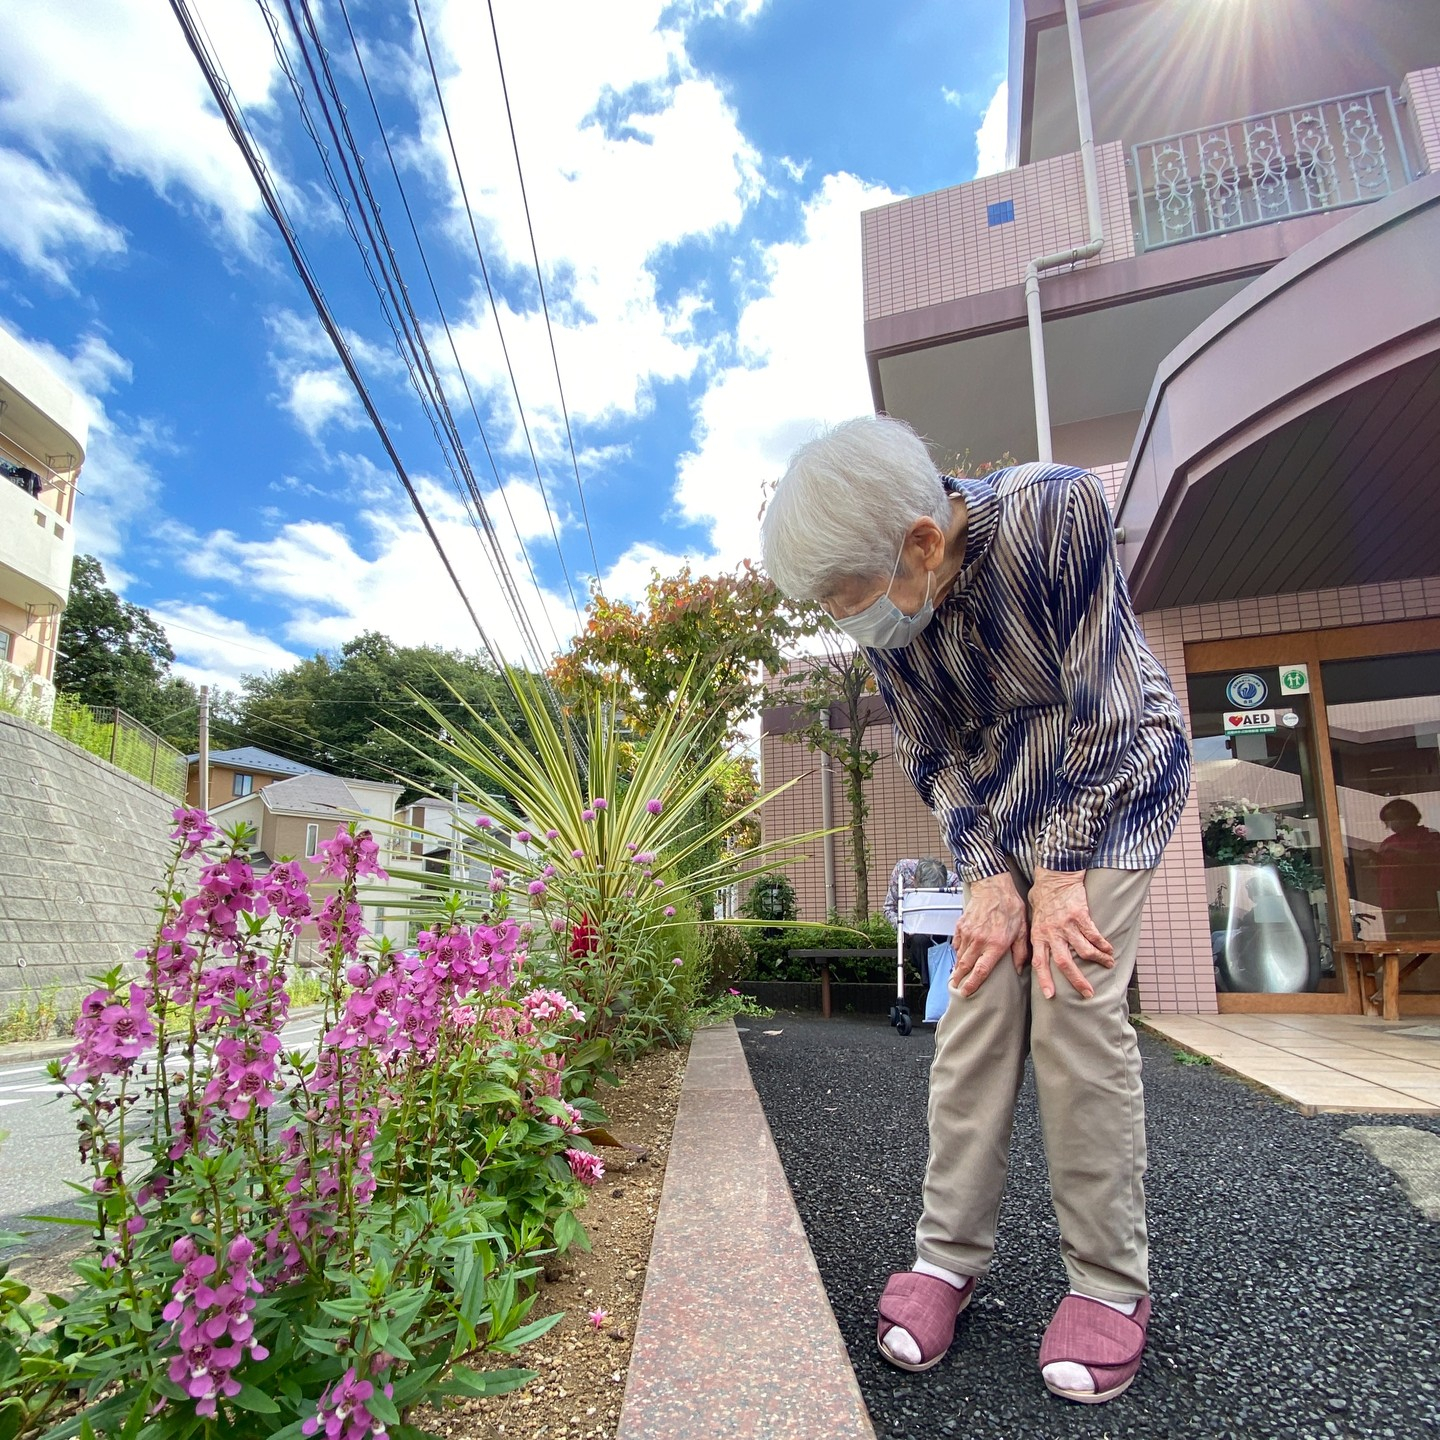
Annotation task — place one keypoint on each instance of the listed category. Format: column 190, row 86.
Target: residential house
column 292, row 817
column 1210, row 275
column 242, row 771
column 44, row 429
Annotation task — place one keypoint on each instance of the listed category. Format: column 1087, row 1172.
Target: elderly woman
column 1038, row 727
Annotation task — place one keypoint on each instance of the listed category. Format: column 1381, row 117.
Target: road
column 38, row 1147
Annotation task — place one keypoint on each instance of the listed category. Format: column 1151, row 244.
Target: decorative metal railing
column 1331, row 153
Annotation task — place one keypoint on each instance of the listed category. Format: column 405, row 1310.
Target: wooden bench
column 826, row 956
column 1378, row 967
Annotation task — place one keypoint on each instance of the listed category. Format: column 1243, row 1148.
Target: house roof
column 252, row 757
column 313, row 793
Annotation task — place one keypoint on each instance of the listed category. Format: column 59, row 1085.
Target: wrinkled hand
column 993, row 923
column 1062, row 932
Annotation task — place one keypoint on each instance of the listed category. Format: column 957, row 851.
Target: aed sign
column 1246, row 721
column 1294, row 679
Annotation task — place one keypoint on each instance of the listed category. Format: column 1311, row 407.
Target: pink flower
column 585, row 1166
column 485, row 822
column 537, row 887
column 587, row 816
column 523, row 836
column 601, row 803
column 669, row 912
column 598, row 1318
column 677, row 961
column 110, row 1035
column 577, row 854
column 654, row 806
column 734, row 991
column 552, row 834
column 192, row 828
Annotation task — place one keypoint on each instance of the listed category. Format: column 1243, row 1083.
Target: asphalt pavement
column 1295, row 1286
column 38, row 1145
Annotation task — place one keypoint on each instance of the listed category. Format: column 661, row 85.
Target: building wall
column 1422, row 95
column 82, row 848
column 899, row 825
column 222, row 783
column 942, row 246
column 1175, row 967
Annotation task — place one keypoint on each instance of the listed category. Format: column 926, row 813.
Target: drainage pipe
column 827, row 824
column 1063, row 257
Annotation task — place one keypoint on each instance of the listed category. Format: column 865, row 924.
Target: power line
column 494, row 308
column 240, row 133
column 385, row 291
column 440, row 309
column 540, row 280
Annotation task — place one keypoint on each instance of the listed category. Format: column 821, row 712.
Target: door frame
column 1312, row 648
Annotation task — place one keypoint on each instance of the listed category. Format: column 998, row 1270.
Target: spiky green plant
column 614, row 841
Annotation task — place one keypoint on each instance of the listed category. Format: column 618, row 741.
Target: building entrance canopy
column 1291, row 442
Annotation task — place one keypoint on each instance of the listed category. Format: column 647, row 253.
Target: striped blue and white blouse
column 1030, row 714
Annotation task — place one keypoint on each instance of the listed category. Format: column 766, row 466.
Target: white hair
column 845, row 505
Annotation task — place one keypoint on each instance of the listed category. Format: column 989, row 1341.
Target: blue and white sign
column 1246, row 691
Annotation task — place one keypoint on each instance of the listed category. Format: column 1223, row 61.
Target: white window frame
column 312, row 841
column 235, row 790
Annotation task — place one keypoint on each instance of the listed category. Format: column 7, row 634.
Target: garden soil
column 582, row 1366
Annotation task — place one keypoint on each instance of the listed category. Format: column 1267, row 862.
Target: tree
column 112, row 652
column 723, row 627
column 834, row 690
column 354, row 712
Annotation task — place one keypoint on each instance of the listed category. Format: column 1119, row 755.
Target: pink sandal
column 1108, row 1344
column 926, row 1309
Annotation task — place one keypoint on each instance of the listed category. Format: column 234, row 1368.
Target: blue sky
column 695, row 173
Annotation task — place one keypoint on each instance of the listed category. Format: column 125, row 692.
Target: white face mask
column 884, row 625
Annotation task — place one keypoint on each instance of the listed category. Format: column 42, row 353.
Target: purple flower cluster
column 192, row 829
column 348, row 856
column 110, row 1035
column 213, row 1324
column 344, row 1413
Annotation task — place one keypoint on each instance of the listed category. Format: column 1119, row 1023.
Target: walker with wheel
column 922, row 912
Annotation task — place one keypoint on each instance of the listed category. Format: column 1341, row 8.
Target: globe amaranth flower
column 669, row 912
column 552, row 834
column 524, row 836
column 600, row 803
column 655, row 806
column 587, row 816
column 537, row 887
column 585, row 1166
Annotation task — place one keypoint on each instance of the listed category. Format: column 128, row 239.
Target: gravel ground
column 1296, row 1289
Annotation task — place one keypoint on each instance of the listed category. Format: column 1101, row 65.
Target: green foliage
column 340, row 712
column 771, row 897
column 132, row 749
column 38, row 1015
column 726, row 1006
column 620, row 832
column 113, row 653
column 770, row 949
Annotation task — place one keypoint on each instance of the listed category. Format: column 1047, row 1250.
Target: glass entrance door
column 1383, row 714
column 1258, row 783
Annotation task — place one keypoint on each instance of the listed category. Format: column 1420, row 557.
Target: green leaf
column 250, row 1398
column 488, row 1092
column 60, row 1220
column 526, row 1333
column 475, row 1383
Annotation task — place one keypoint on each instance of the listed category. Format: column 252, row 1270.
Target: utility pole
column 454, row 829
column 204, row 756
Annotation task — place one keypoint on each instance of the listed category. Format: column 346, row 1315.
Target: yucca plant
column 615, row 841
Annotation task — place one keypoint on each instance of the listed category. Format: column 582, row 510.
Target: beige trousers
column 1092, row 1109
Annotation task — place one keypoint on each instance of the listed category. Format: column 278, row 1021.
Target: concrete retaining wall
column 82, row 848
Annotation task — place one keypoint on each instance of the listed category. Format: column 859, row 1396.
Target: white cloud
column 46, row 220
column 113, row 82
column 952, row 97
column 627, row 151
column 990, row 138
column 799, row 365
column 213, row 649
column 331, row 584
column 315, row 398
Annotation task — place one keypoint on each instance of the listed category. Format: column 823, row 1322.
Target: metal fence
column 1322, row 156
column 113, row 735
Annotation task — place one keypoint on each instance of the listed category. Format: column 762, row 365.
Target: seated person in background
column 1409, row 872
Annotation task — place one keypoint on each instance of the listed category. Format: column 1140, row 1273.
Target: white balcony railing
column 1263, row 168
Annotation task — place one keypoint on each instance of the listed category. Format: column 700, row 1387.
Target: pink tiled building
column 1230, row 217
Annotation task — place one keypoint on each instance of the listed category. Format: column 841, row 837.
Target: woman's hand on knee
column 993, row 925
column 1062, row 932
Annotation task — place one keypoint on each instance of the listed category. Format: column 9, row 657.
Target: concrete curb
column 736, row 1336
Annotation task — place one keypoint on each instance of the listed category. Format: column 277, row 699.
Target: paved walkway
column 1323, row 1063
column 1296, row 1284
column 735, row 1337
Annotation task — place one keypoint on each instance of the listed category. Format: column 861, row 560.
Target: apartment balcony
column 36, row 548
column 1189, row 221
column 1326, row 155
